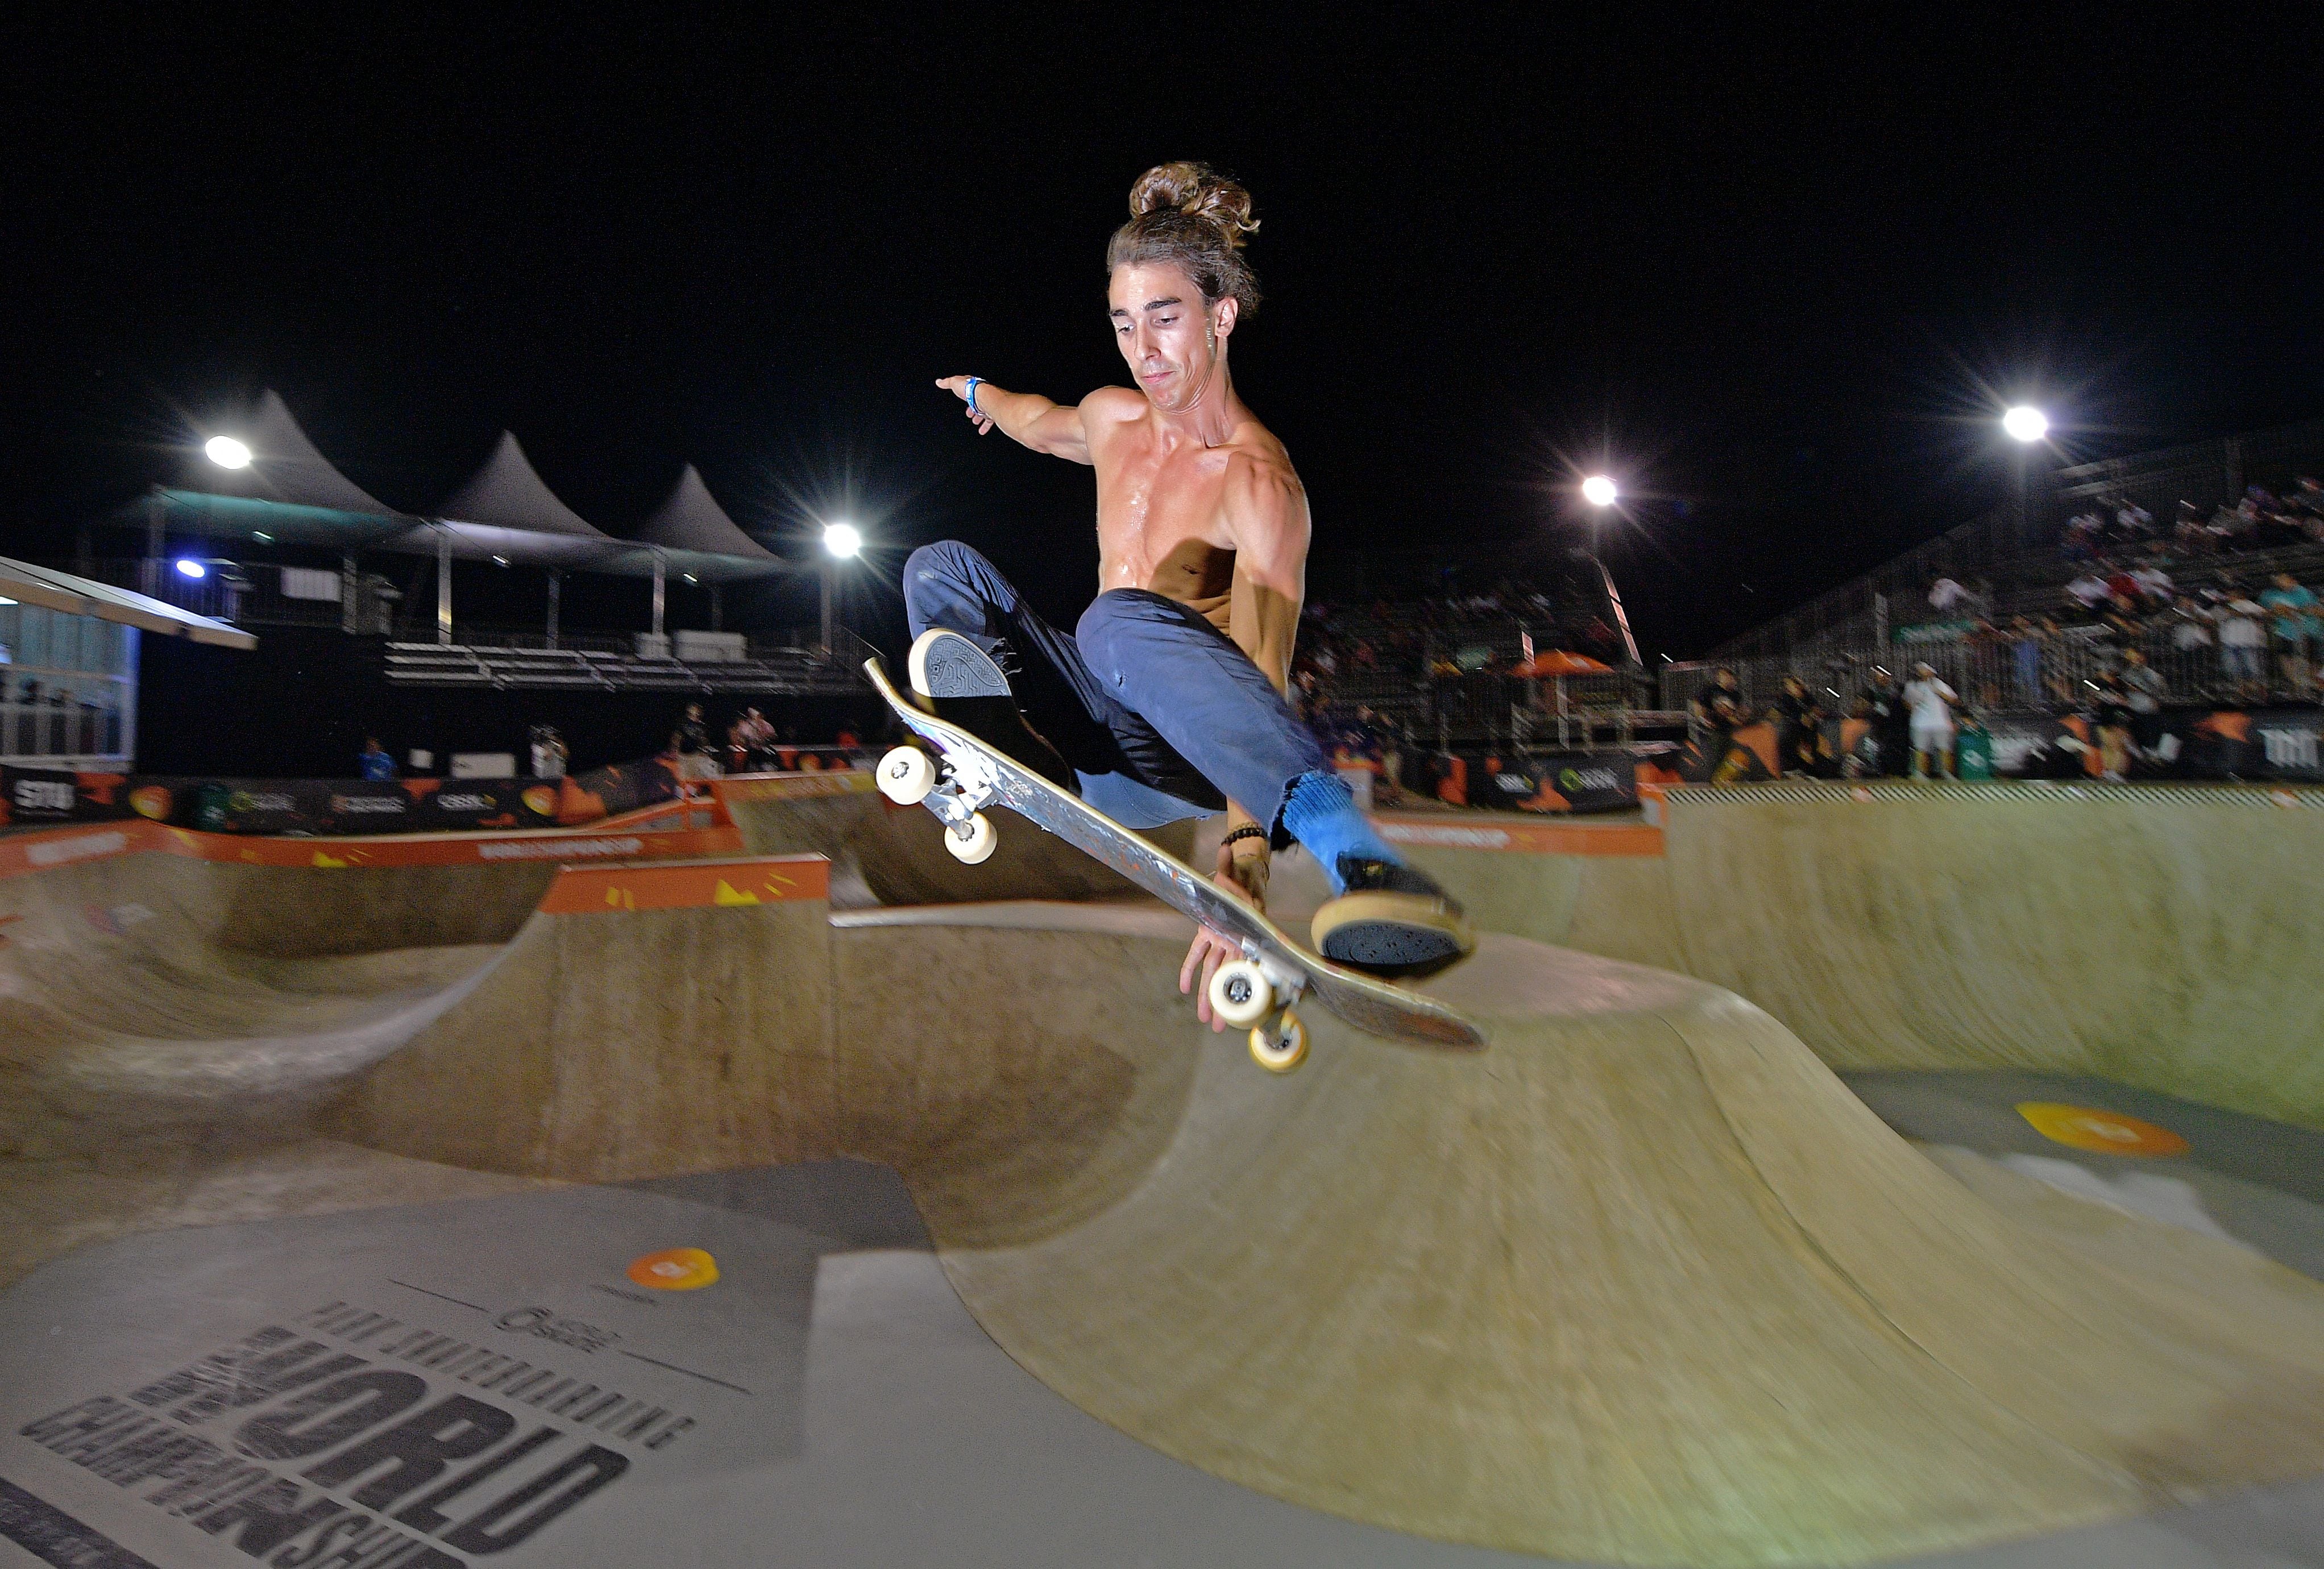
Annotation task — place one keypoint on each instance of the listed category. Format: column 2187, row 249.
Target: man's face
column 1170, row 338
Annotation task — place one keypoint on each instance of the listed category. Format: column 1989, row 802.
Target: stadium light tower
column 840, row 542
column 227, row 452
column 1599, row 491
column 2026, row 425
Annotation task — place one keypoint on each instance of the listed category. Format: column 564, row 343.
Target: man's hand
column 1244, row 877
column 958, row 387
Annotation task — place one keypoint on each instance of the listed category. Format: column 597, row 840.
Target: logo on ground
column 2105, row 1132
column 675, row 1269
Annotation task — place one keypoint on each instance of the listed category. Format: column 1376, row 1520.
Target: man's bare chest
column 1151, row 503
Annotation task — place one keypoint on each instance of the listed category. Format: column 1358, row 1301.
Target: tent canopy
column 508, row 493
column 505, row 513
column 284, row 466
column 29, row 584
column 692, row 520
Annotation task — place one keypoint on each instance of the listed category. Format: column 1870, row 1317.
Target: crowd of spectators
column 2243, row 635
column 2259, row 520
column 753, row 745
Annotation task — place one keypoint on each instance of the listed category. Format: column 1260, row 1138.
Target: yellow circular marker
column 2106, row 1132
column 675, row 1269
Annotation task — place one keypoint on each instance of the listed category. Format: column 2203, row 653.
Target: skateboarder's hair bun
column 1192, row 217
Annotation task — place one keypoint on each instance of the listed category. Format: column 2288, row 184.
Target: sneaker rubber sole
column 944, row 664
column 1391, row 934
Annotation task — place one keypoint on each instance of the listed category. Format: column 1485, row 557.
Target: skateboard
column 1257, row 991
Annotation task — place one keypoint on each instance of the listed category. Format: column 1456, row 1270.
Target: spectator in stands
column 2025, row 641
column 2080, row 540
column 1798, row 731
column 2143, row 688
column 1946, row 596
column 757, row 738
column 373, row 762
column 1931, row 702
column 2111, row 699
column 2155, row 588
column 1889, row 722
column 550, row 755
column 691, row 742
column 2194, row 628
column 2088, row 590
column 1718, row 713
column 2296, row 629
column 2243, row 639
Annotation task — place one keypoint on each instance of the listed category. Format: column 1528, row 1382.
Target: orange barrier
column 1478, row 831
column 698, row 885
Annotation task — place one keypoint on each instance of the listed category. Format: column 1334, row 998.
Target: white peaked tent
column 505, row 514
column 285, row 467
column 692, row 520
column 507, row 493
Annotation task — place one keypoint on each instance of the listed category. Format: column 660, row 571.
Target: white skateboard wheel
column 907, row 775
column 1281, row 1047
column 1240, row 993
column 971, row 842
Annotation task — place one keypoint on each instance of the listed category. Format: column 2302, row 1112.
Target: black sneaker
column 957, row 681
column 1392, row 920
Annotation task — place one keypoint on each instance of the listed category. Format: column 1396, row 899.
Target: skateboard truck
column 958, row 795
column 1256, row 993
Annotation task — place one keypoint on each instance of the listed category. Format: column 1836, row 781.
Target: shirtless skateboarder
column 1167, row 701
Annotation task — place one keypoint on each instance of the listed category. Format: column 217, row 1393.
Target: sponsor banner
column 2281, row 743
column 1555, row 782
column 43, row 794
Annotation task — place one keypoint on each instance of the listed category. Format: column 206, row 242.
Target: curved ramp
column 1641, row 1283
column 2151, row 936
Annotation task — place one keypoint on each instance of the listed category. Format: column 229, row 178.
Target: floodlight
column 190, row 567
column 842, row 539
column 1599, row 490
column 227, row 452
column 2026, row 423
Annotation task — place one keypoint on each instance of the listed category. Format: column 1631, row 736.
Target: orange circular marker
column 2106, row 1132
column 675, row 1269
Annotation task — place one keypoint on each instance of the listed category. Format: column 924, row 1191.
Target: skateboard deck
column 976, row 775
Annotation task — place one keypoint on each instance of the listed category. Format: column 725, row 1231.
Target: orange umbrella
column 1558, row 662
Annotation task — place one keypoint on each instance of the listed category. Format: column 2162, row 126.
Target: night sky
column 1777, row 275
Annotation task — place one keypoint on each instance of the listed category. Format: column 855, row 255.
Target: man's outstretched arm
column 1028, row 419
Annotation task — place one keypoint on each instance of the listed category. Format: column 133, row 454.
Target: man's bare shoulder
column 1113, row 406
column 1256, row 462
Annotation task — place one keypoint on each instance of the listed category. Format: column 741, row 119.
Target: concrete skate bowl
column 1640, row 1283
column 2149, row 936
column 884, row 854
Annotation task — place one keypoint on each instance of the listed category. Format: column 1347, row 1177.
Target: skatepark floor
column 869, row 1421
column 1091, row 1290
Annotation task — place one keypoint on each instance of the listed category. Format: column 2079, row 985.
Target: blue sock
column 1320, row 812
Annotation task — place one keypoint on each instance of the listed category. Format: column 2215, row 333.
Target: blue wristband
column 973, row 382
